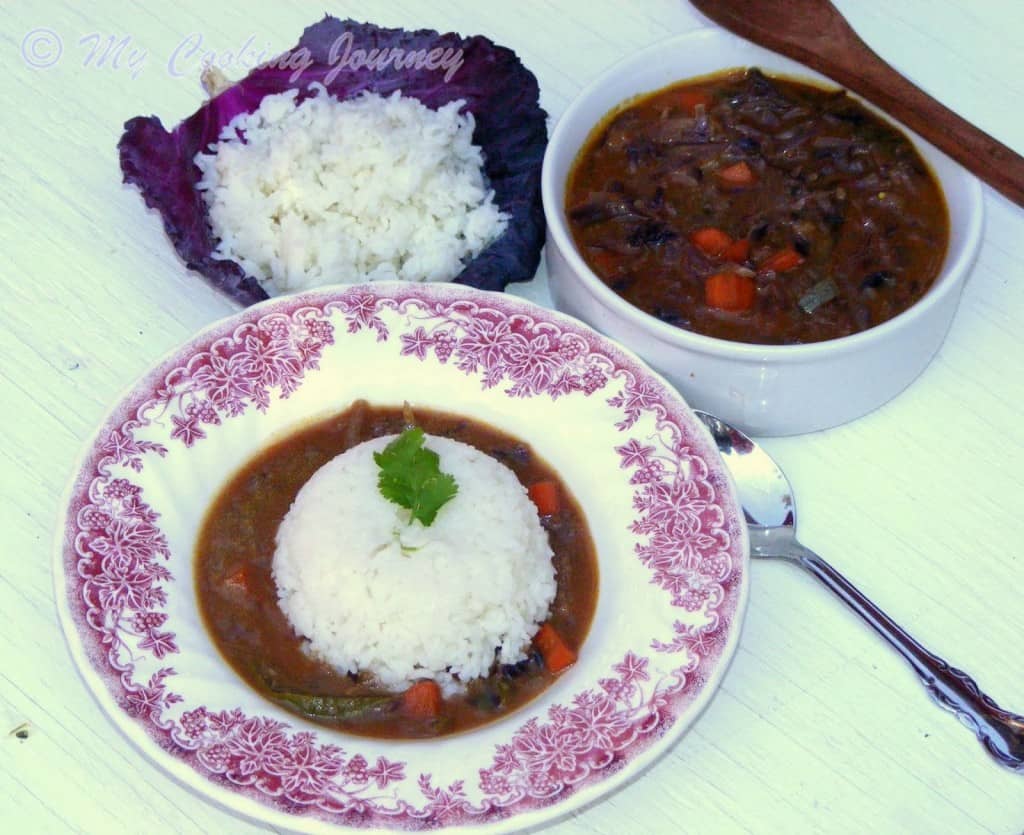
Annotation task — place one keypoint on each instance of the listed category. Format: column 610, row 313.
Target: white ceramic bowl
column 773, row 389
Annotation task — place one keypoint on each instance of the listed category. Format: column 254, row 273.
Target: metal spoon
column 768, row 504
column 814, row 33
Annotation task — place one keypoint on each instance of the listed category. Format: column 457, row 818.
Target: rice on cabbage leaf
column 498, row 90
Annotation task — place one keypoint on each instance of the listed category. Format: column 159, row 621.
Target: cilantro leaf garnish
column 410, row 476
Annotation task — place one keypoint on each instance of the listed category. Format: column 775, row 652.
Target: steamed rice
column 371, row 592
column 366, row 189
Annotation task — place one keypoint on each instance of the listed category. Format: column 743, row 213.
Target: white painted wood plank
column 817, row 727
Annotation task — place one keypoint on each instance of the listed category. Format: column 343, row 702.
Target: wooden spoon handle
column 856, row 66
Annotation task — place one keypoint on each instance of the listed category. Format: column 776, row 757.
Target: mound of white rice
column 371, row 592
column 331, row 191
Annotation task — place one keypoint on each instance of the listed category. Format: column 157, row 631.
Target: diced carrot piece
column 784, row 259
column 739, row 174
column 689, row 99
column 556, row 653
column 730, row 291
column 422, row 700
column 544, row 494
column 239, row 580
column 710, row 241
column 737, row 251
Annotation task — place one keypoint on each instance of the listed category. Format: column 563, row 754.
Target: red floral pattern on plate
column 115, row 555
column 237, row 371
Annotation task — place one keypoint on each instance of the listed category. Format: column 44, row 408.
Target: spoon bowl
column 768, row 504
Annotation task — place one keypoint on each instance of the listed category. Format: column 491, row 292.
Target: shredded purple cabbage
column 498, row 90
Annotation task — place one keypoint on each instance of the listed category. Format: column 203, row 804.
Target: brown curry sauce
column 797, row 177
column 253, row 635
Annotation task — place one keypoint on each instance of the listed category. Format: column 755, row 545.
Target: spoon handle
column 999, row 731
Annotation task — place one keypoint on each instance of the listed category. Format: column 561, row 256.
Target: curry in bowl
column 335, row 665
column 757, row 209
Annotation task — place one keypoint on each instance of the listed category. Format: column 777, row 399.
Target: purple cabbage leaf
column 498, row 90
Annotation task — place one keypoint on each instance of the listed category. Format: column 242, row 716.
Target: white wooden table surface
column 818, row 727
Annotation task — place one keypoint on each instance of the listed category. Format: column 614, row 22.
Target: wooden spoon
column 814, row 33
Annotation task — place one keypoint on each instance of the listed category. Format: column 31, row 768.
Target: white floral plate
column 671, row 545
